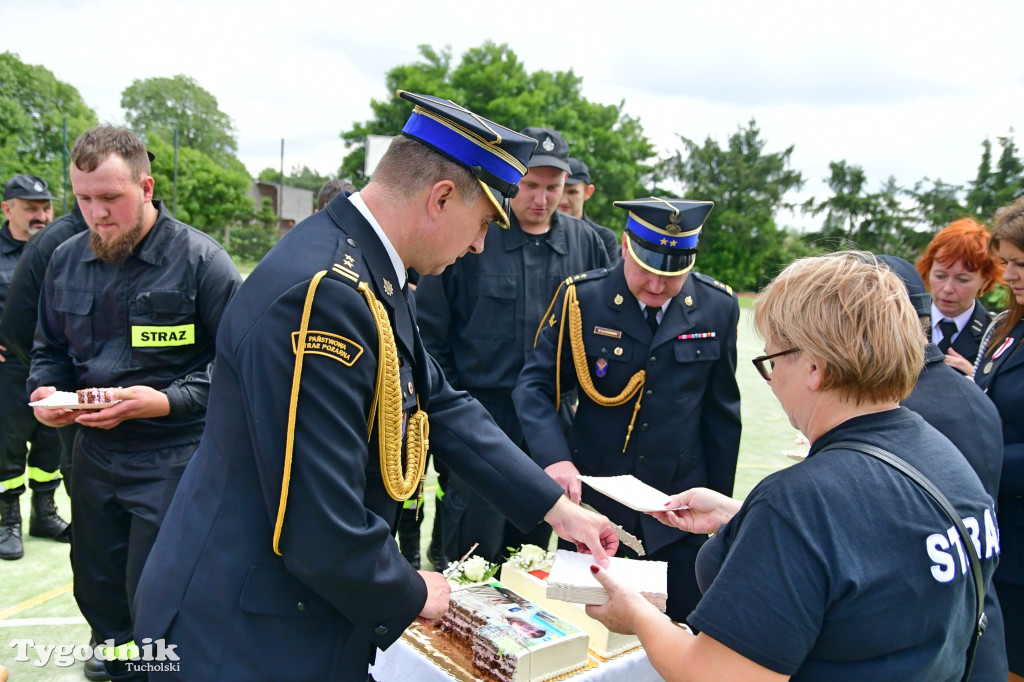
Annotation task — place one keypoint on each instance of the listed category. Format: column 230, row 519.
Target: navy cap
column 27, row 187
column 495, row 155
column 578, row 172
column 662, row 233
column 552, row 149
column 919, row 296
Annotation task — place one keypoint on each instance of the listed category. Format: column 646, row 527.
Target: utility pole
column 175, row 171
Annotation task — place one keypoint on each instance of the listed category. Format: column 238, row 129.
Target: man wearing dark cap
column 479, row 319
column 960, row 410
column 277, row 558
column 27, row 207
column 650, row 346
column 578, row 190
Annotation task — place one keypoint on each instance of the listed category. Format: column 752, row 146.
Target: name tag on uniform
column 605, row 331
column 182, row 335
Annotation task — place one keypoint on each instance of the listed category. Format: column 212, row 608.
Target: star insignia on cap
column 665, row 241
column 548, row 145
column 388, row 289
column 618, row 299
column 688, row 300
column 672, row 243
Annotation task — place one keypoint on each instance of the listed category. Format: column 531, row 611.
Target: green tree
column 211, row 197
column 156, row 106
column 250, row 241
column 33, row 106
column 491, row 81
column 846, row 209
column 741, row 243
column 937, row 205
column 993, row 188
column 855, row 218
column 304, row 177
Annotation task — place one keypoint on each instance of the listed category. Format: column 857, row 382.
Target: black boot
column 94, row 669
column 435, row 550
column 409, row 536
column 10, row 530
column 43, row 522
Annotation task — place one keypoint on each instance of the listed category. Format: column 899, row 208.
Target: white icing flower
column 475, row 568
column 532, row 553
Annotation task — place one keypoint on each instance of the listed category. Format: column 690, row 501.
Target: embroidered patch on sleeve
column 329, row 345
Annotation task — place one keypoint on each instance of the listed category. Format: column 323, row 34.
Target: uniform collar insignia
column 388, row 288
column 618, row 299
column 688, row 300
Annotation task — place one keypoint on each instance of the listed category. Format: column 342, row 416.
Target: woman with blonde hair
column 957, row 267
column 1000, row 372
column 841, row 567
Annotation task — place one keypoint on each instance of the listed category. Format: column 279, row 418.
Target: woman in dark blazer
column 999, row 370
column 958, row 267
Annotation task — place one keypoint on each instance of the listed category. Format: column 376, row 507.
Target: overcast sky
column 907, row 89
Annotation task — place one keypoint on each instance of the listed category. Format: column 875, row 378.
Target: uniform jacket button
column 380, row 630
column 649, row 393
column 653, row 360
column 301, row 606
column 644, row 426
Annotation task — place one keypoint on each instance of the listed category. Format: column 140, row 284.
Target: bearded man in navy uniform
column 277, row 559
column 650, row 346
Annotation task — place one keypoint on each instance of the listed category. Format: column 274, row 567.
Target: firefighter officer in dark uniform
column 650, row 346
column 478, row 319
column 277, row 559
column 27, row 208
column 134, row 305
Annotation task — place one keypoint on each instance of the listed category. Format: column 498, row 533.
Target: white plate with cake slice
column 69, row 400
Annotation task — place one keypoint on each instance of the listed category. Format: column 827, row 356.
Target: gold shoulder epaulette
column 725, row 288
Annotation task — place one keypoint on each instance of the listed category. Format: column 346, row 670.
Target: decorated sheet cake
column 492, row 633
column 526, row 572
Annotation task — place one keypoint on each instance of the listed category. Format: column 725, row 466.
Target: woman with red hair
column 957, row 267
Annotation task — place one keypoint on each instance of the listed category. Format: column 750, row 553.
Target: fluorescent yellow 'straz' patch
column 182, row 335
column 329, row 345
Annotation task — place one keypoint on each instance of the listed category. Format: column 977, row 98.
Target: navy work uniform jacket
column 967, row 341
column 150, row 321
column 1002, row 379
column 21, row 308
column 687, row 432
column 959, row 410
column 213, row 585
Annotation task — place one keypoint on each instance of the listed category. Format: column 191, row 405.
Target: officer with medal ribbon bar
column 277, row 558
column 650, row 345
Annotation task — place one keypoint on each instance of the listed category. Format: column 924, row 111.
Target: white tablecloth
column 401, row 662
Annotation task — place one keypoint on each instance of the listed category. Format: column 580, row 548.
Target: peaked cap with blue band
column 494, row 154
column 662, row 233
